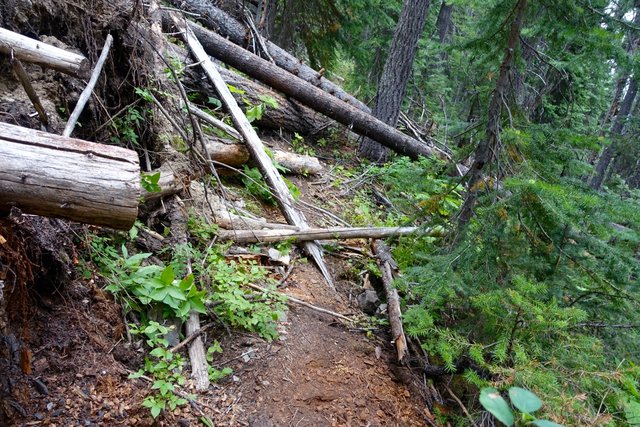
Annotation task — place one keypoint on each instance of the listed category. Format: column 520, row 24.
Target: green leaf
column 167, row 275
column 159, row 294
column 206, row 421
column 494, row 403
column 269, row 101
column 186, row 282
column 214, row 101
column 234, row 89
column 155, row 411
column 546, row 423
column 524, row 400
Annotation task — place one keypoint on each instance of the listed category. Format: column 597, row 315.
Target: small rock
column 50, row 406
column 368, row 301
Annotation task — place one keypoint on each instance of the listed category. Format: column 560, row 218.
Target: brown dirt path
column 321, row 374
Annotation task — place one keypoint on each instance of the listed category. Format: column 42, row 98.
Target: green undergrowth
column 194, row 277
column 539, row 291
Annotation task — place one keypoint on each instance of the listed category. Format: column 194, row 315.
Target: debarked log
column 253, row 236
column 238, row 154
column 50, row 175
column 37, row 52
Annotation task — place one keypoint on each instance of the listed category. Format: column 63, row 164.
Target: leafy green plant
column 128, row 127
column 525, row 402
column 216, row 375
column 138, row 285
column 163, row 367
column 255, row 184
column 150, row 182
column 298, row 145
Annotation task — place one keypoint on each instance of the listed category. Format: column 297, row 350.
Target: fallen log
column 387, row 266
column 50, row 175
column 270, row 74
column 338, row 233
column 37, row 52
column 290, row 114
column 256, row 148
column 238, row 154
column 229, row 27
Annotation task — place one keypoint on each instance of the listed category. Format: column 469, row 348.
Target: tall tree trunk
column 490, row 146
column 397, row 69
column 444, row 23
column 618, row 125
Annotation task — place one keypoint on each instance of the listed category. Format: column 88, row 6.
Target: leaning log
column 311, row 96
column 229, row 27
column 337, row 233
column 254, row 144
column 50, row 175
column 37, row 52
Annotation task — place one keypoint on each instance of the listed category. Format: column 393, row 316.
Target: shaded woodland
column 322, row 212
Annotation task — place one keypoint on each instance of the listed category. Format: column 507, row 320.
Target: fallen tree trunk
column 387, row 265
column 50, row 175
column 252, row 236
column 255, row 146
column 37, row 52
column 311, row 96
column 229, row 27
column 290, row 114
column 238, row 154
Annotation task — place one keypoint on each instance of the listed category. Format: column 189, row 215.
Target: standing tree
column 397, row 69
column 624, row 112
column 489, row 147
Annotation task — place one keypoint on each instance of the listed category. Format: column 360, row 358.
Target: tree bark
column 237, row 33
column 444, row 23
column 397, row 69
column 616, row 130
column 30, row 50
column 309, row 95
column 489, row 148
column 50, row 175
column 290, row 114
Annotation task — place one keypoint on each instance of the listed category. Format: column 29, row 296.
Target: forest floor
column 65, row 359
column 318, row 372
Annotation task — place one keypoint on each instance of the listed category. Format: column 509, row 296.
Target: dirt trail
column 319, row 373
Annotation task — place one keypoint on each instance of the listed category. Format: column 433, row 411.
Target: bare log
column 338, row 233
column 270, row 74
column 229, row 27
column 256, row 148
column 88, row 90
column 31, row 50
column 387, row 265
column 238, row 154
column 51, row 175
